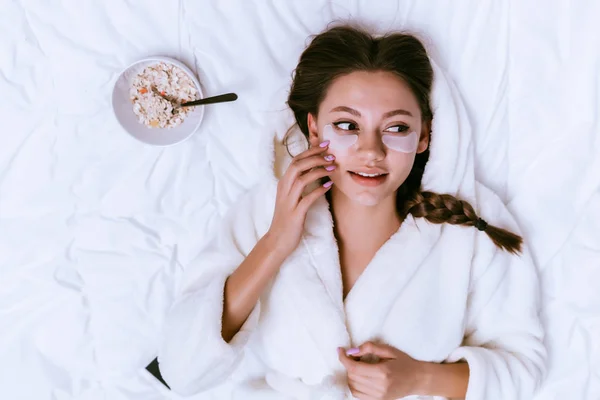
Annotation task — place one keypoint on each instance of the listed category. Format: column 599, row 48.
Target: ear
column 425, row 135
column 313, row 131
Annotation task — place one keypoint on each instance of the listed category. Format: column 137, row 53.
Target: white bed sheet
column 95, row 227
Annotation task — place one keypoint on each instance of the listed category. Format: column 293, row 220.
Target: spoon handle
column 222, row 98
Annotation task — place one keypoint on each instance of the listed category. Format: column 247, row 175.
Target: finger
column 370, row 386
column 382, row 351
column 310, row 198
column 367, row 388
column 366, row 370
column 358, row 368
column 364, row 381
column 344, row 359
column 359, row 394
column 300, row 167
column 307, row 165
column 347, row 362
column 311, row 151
column 308, row 178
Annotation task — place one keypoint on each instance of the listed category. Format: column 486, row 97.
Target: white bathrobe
column 436, row 292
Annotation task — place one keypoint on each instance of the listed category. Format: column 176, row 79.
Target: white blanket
column 94, row 227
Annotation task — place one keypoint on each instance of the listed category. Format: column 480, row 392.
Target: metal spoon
column 222, row 98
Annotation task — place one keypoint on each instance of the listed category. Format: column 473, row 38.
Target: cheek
column 341, row 155
column 400, row 165
column 344, row 161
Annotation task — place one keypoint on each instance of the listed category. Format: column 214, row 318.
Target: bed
column 95, row 227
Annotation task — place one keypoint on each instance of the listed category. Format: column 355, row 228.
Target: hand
column 395, row 375
column 290, row 207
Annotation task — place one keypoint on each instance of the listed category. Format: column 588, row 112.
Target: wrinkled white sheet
column 95, row 227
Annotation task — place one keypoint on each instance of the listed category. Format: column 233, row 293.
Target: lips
column 367, row 175
column 368, row 178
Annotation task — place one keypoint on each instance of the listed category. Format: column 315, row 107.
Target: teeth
column 368, row 175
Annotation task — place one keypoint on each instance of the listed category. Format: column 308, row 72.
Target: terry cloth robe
column 439, row 293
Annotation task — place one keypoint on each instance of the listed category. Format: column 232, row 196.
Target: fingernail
column 330, row 167
column 327, row 184
column 352, row 351
column 324, row 144
column 329, row 157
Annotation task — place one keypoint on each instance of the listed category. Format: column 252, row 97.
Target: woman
column 363, row 271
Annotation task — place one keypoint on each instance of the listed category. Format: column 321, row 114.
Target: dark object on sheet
column 222, row 98
column 153, row 369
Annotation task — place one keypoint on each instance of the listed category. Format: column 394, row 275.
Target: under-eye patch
column 405, row 143
column 337, row 141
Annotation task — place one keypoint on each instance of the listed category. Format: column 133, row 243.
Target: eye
column 345, row 126
column 397, row 129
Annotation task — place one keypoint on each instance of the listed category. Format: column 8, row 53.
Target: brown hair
column 345, row 49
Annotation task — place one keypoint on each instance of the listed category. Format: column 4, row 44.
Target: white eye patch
column 405, row 144
column 337, row 141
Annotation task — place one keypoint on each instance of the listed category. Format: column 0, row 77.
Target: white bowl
column 123, row 108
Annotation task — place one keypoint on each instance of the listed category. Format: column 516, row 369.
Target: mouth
column 368, row 179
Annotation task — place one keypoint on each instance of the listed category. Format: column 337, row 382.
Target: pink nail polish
column 327, row 184
column 329, row 157
column 324, row 144
column 330, row 167
column 352, row 351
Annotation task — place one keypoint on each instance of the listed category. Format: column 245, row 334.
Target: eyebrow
column 356, row 113
column 397, row 112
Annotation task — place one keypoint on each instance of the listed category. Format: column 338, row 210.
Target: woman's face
column 384, row 115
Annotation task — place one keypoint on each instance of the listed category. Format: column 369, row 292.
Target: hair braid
column 445, row 208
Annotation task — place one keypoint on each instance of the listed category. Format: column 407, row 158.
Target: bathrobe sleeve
column 193, row 356
column 504, row 337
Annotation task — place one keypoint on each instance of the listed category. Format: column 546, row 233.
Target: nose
column 370, row 148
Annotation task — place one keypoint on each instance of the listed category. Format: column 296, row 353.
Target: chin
column 366, row 199
column 365, row 195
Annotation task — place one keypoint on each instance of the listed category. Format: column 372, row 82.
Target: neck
column 359, row 224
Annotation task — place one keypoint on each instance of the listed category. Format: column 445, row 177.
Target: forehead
column 365, row 91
